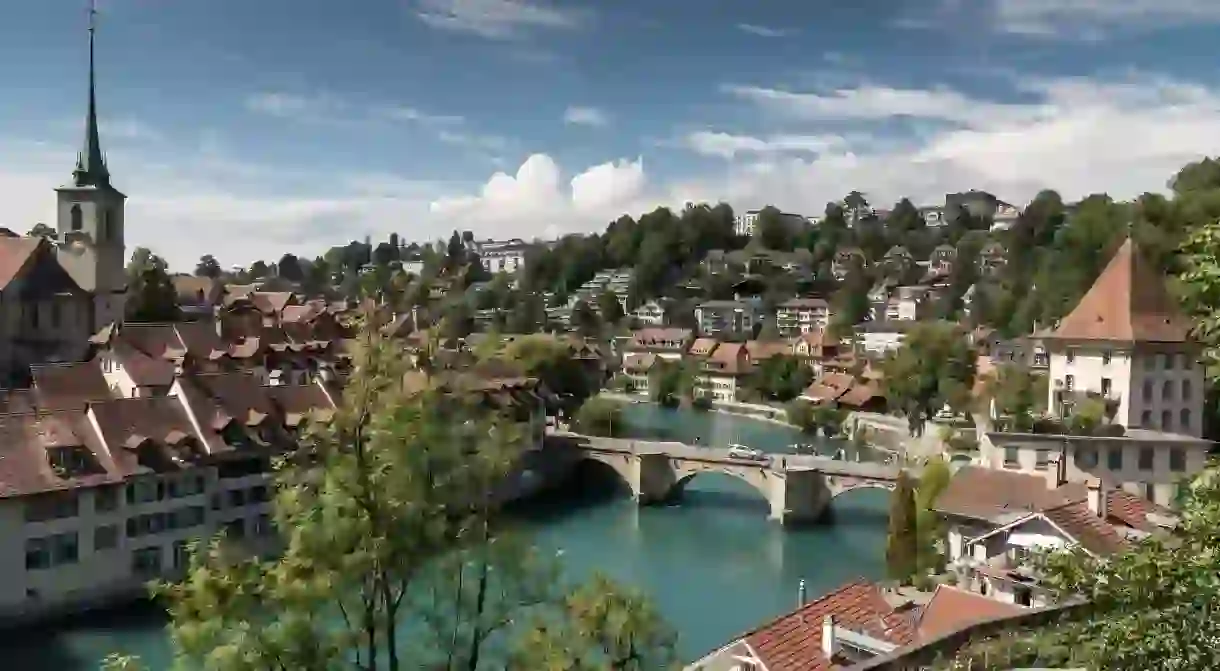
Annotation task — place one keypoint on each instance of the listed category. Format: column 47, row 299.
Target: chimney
column 828, row 636
column 1054, row 471
column 800, row 594
column 1097, row 498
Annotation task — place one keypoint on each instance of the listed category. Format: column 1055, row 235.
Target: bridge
column 798, row 488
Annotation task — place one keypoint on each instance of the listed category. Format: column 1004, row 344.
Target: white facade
column 507, row 256
column 650, row 314
column 745, row 224
column 802, row 315
column 1157, row 387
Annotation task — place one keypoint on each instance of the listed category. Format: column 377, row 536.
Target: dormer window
column 71, row 461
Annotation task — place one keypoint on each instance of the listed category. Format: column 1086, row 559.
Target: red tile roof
column 25, row 467
column 1087, row 528
column 794, row 642
column 1129, row 302
column 15, row 255
column 951, row 609
column 69, row 385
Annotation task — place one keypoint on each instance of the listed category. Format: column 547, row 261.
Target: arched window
column 77, row 217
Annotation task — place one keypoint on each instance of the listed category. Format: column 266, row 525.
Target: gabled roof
column 15, row 254
column 793, row 642
column 951, row 609
column 69, row 385
column 1129, row 302
column 1076, row 523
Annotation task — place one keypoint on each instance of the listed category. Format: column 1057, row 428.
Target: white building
column 798, row 316
column 745, row 224
column 503, row 256
column 650, row 314
column 1128, row 341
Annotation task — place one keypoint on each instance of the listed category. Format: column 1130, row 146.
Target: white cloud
column 762, row 31
column 494, row 19
column 1076, row 135
column 1076, row 19
column 726, row 145
column 289, row 105
column 586, row 116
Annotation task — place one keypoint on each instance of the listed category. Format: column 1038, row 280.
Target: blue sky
column 249, row 128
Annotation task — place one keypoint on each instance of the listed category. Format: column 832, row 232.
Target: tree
column 773, row 230
column 394, row 554
column 1017, row 392
column 850, row 304
column 384, row 254
column 550, row 359
column 1152, row 606
column 151, row 293
column 600, row 417
column 671, row 382
column 208, row 266
column 584, row 319
column 934, row 368
column 259, row 270
column 781, row 377
column 902, row 542
column 41, row 230
column 609, row 308
column 933, row 479
column 289, row 268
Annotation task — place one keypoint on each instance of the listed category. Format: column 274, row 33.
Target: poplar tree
column 902, row 541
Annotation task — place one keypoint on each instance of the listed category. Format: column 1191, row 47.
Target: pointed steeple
column 90, row 163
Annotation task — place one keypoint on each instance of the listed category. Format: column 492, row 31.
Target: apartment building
column 904, row 303
column 669, row 344
column 502, row 256
column 721, row 370
column 651, row 313
column 798, row 316
column 728, row 319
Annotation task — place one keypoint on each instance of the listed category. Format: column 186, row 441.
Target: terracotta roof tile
column 731, row 357
column 69, row 385
column 794, row 642
column 703, row 346
column 989, row 494
column 1091, row 531
column 951, row 609
column 1129, row 302
column 15, row 255
column 138, row 431
column 760, row 350
column 25, row 466
column 661, row 338
column 860, row 394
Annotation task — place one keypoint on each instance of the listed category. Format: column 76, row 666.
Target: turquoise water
column 713, row 563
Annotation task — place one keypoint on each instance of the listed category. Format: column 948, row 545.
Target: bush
column 801, row 415
column 702, row 403
column 600, row 417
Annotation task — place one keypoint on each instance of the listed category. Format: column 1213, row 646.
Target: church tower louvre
column 89, row 216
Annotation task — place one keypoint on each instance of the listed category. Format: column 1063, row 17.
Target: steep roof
column 1129, row 302
column 15, row 254
column 951, row 609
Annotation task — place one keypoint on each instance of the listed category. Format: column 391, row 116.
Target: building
column 666, row 343
column 746, row 224
column 728, row 319
column 52, row 292
column 798, row 316
column 1127, row 340
column 904, row 303
column 721, row 370
column 881, row 337
column 979, row 204
column 503, row 256
column 650, row 314
column 852, row 624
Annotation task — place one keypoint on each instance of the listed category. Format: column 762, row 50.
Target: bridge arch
column 839, row 486
column 757, row 478
column 623, row 466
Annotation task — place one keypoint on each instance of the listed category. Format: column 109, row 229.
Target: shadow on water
column 591, row 484
column 80, row 642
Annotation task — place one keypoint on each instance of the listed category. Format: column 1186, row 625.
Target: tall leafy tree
column 208, row 266
column 902, row 540
column 289, row 268
column 609, row 308
column 151, row 293
column 934, row 367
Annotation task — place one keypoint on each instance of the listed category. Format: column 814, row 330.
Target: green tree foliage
column 208, row 266
column 600, row 417
column 1018, row 393
column 550, row 359
column 609, row 309
column 933, row 479
column 41, row 230
column 781, row 377
column 800, row 414
column 902, row 539
column 395, row 557
column 671, row 382
column 151, row 293
column 584, row 319
column 934, row 367
column 773, row 231
column 850, row 304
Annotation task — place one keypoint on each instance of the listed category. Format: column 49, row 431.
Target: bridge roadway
column 798, row 488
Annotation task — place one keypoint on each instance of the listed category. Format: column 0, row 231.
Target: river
column 713, row 563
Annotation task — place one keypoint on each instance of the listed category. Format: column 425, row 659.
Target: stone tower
column 90, row 219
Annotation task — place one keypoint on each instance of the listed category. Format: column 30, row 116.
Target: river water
column 713, row 563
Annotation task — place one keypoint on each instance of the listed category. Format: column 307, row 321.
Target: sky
column 247, row 129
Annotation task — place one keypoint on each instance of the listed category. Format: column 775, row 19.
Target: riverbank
column 762, row 413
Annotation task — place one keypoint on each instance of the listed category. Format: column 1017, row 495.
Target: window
column 237, row 497
column 1149, row 363
column 105, row 499
column 1023, row 596
column 76, row 217
column 1177, row 459
column 1042, row 456
column 1106, row 386
column 1186, row 390
column 1150, row 491
column 106, row 538
column 235, row 529
column 146, row 561
column 182, row 555
column 1012, row 456
column 1114, row 459
column 1184, row 420
column 37, row 554
column 1167, row 390
column 1166, row 421
column 1105, row 358
column 55, row 506
column 1069, row 382
column 263, row 526
column 1162, row 361
column 1086, row 458
column 144, row 491
column 259, row 494
column 41, row 553
column 1148, row 390
column 1147, row 455
column 1146, row 419
column 1071, row 355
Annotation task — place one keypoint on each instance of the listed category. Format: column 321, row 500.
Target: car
column 743, row 452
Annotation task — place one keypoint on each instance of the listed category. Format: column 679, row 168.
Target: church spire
column 90, row 163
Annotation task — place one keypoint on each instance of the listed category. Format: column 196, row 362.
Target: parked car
column 743, row 452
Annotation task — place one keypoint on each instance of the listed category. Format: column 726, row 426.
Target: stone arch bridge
column 798, row 488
